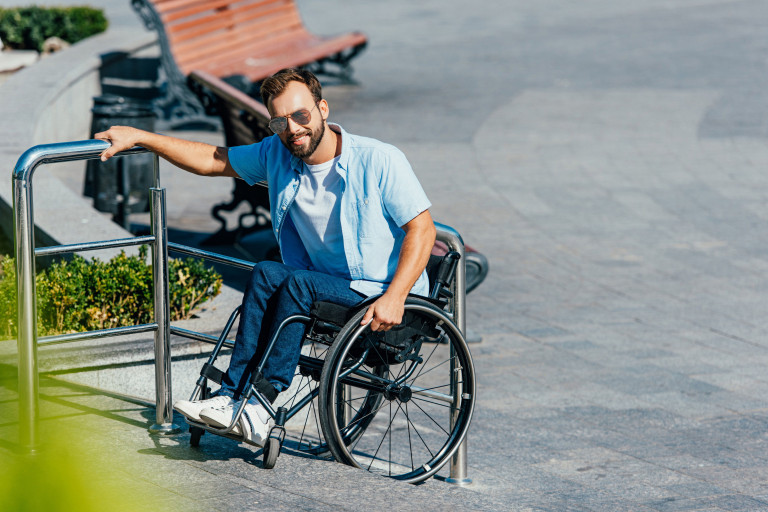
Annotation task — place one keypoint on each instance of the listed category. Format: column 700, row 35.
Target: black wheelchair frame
column 397, row 403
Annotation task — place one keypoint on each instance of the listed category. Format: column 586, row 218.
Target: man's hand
column 196, row 157
column 121, row 138
column 385, row 313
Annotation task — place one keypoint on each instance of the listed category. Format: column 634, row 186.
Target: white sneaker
column 253, row 424
column 192, row 409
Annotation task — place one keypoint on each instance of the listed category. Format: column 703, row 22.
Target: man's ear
column 324, row 110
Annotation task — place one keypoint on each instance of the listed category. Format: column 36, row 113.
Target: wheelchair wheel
column 271, row 452
column 424, row 396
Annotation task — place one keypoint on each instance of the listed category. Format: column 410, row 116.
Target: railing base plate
column 461, row 482
column 165, row 429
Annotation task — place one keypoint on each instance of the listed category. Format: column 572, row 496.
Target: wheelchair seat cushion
column 396, row 345
column 332, row 313
column 339, row 315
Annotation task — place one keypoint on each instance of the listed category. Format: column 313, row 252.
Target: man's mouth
column 298, row 141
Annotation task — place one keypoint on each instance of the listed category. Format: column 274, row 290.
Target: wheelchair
column 396, row 403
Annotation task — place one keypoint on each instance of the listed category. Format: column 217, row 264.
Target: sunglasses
column 302, row 117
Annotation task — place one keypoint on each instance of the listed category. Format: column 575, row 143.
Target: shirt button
column 366, row 201
column 283, row 207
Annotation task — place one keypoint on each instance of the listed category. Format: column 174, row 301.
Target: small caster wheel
column 196, row 434
column 271, row 451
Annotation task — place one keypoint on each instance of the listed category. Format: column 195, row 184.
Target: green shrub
column 78, row 295
column 28, row 27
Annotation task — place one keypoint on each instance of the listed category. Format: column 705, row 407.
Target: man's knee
column 299, row 288
column 268, row 267
column 268, row 272
column 301, row 281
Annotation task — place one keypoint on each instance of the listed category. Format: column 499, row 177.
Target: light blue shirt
column 380, row 193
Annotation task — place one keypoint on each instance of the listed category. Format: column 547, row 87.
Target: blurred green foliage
column 28, row 27
column 72, row 471
column 56, row 480
column 78, row 295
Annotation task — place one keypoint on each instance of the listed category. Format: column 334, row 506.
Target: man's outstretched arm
column 388, row 309
column 195, row 157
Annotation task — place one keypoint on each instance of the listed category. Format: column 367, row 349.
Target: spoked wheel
column 424, row 389
column 304, row 432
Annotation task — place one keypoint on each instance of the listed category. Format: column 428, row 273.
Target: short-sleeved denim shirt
column 380, row 193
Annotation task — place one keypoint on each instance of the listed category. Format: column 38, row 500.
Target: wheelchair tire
column 416, row 423
column 271, row 452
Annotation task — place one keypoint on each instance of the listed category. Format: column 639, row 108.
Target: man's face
column 301, row 140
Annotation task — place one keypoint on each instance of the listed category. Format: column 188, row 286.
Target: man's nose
column 293, row 126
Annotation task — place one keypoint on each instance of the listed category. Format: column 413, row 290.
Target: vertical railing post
column 449, row 236
column 26, row 337
column 163, row 395
column 24, row 244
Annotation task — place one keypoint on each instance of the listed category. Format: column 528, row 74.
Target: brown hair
column 275, row 85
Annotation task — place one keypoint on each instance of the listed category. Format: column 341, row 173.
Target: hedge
column 28, row 27
column 77, row 295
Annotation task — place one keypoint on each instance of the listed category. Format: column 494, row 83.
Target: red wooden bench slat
column 261, row 66
column 253, row 28
column 166, row 6
column 284, row 49
column 235, row 45
column 235, row 54
column 232, row 19
column 196, row 7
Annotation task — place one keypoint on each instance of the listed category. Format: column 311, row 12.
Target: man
column 349, row 215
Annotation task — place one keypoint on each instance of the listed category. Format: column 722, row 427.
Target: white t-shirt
column 316, row 213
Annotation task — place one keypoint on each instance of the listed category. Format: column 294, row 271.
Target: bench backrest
column 201, row 31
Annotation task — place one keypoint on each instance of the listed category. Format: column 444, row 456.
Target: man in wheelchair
column 351, row 221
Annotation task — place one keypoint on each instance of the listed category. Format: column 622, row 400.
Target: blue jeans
column 274, row 292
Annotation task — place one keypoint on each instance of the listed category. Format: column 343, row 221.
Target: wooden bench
column 249, row 38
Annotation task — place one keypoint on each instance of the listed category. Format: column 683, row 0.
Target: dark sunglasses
column 302, row 117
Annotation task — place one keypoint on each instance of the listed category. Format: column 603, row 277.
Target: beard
column 304, row 151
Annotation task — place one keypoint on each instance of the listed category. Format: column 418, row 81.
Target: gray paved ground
column 609, row 158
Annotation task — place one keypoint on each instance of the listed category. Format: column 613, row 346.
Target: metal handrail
column 27, row 339
column 93, row 335
column 90, row 246
column 211, row 256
